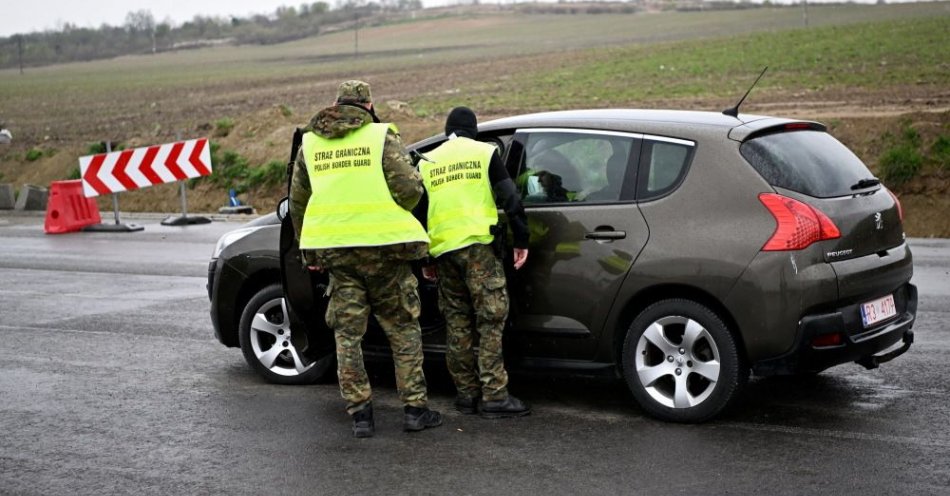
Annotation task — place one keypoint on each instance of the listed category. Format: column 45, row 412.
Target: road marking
column 838, row 434
column 53, row 329
column 97, row 333
column 164, row 296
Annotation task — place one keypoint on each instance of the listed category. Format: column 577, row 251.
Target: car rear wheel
column 681, row 362
column 265, row 337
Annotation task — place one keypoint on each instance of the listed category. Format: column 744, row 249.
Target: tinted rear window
column 809, row 162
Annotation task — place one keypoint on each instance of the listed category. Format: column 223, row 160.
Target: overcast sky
column 23, row 16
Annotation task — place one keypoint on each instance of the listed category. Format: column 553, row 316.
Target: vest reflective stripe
column 351, row 204
column 461, row 205
column 443, row 216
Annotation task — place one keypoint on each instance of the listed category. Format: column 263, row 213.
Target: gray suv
column 677, row 250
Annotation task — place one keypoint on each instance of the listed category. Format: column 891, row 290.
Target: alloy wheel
column 677, row 362
column 270, row 340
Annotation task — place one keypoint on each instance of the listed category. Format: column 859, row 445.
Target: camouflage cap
column 353, row 91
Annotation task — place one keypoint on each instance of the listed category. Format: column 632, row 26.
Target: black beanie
column 462, row 122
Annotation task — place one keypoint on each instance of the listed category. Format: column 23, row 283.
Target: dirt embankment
column 865, row 120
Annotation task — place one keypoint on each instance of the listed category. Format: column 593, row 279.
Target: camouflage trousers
column 474, row 300
column 389, row 290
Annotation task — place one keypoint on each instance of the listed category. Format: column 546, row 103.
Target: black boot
column 418, row 419
column 467, row 405
column 508, row 407
column 363, row 425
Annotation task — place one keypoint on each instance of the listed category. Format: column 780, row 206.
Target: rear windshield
column 808, row 162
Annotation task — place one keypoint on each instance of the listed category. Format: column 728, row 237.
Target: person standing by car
column 350, row 202
column 459, row 177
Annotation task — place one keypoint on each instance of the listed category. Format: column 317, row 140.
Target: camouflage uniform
column 474, row 300
column 389, row 289
column 472, row 284
column 368, row 278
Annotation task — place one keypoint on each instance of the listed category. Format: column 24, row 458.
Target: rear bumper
column 857, row 343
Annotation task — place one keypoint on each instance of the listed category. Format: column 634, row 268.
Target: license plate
column 877, row 310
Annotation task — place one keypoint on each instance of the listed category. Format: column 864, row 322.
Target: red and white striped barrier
column 142, row 167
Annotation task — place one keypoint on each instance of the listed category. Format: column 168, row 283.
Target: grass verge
column 870, row 55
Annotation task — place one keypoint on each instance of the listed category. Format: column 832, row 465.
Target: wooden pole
column 19, row 50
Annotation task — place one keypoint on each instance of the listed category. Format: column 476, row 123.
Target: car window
column 809, row 162
column 566, row 166
column 663, row 163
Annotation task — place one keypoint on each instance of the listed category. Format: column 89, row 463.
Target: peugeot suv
column 676, row 250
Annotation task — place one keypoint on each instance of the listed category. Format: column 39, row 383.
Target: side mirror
column 283, row 208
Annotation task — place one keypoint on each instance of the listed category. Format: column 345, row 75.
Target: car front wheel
column 681, row 362
column 265, row 337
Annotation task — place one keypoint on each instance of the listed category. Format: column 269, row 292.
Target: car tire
column 681, row 362
column 264, row 333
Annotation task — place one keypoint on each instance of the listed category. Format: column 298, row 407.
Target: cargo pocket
column 491, row 299
column 409, row 295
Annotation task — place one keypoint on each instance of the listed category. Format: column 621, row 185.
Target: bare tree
column 141, row 21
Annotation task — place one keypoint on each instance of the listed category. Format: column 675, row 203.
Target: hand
column 315, row 268
column 430, row 273
column 521, row 256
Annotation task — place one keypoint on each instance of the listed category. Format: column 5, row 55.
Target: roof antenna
column 734, row 111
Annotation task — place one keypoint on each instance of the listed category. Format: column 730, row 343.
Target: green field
column 865, row 55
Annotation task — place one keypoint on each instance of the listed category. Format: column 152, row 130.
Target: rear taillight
column 826, row 340
column 798, row 125
column 900, row 210
column 798, row 224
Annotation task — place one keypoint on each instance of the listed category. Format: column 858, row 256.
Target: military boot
column 418, row 419
column 363, row 425
column 467, row 405
column 508, row 407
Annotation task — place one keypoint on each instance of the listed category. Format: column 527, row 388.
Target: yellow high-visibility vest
column 461, row 205
column 351, row 204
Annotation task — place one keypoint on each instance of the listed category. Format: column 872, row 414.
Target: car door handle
column 606, row 235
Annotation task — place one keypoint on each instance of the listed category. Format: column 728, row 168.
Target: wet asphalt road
column 112, row 383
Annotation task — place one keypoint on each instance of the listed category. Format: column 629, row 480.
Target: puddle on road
column 872, row 393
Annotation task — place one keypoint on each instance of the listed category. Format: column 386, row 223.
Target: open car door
column 304, row 290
